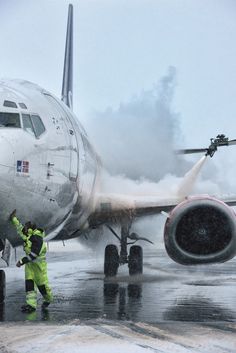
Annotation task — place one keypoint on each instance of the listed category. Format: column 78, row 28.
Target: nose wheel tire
column 111, row 261
column 135, row 260
column 2, row 286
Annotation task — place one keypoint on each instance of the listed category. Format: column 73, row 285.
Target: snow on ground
column 106, row 337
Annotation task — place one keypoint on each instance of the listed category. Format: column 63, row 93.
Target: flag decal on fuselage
column 22, row 166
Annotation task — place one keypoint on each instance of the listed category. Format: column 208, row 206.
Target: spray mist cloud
column 138, row 139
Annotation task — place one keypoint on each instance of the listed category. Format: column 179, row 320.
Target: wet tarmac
column 165, row 293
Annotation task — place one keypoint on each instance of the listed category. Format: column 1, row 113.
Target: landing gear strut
column 113, row 259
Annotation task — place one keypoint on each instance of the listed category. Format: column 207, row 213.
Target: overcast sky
column 123, row 47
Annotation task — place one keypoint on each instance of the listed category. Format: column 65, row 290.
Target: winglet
column 67, row 85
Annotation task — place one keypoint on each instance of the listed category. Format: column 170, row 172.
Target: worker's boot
column 45, row 305
column 27, row 308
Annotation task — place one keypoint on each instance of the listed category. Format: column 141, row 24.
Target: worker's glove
column 12, row 215
column 19, row 263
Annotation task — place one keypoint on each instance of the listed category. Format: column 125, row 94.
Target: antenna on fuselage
column 67, row 84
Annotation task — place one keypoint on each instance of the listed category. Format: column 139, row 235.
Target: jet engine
column 201, row 230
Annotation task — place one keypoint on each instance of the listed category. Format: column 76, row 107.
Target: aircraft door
column 74, row 155
column 6, row 166
column 71, row 136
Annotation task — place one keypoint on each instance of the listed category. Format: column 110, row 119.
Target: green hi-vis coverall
column 35, row 264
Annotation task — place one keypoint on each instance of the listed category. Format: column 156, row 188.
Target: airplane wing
column 112, row 208
column 109, row 208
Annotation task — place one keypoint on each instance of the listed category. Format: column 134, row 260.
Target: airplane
column 50, row 173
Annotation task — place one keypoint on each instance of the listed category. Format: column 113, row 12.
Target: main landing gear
column 113, row 259
column 2, row 286
column 5, row 248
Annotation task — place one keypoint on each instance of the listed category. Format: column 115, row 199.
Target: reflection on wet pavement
column 197, row 309
column 166, row 292
column 126, row 300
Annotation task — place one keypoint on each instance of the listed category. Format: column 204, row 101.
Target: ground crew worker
column 35, row 264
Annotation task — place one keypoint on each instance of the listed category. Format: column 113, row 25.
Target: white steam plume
column 138, row 138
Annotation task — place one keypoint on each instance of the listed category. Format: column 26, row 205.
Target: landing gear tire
column 111, row 261
column 2, row 286
column 135, row 260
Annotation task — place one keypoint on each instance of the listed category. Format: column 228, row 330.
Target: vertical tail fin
column 67, row 84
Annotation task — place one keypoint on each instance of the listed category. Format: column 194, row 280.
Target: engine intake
column 199, row 231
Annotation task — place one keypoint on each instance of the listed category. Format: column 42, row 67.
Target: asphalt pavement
column 165, row 292
column 169, row 308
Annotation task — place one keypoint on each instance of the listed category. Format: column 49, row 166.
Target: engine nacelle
column 201, row 230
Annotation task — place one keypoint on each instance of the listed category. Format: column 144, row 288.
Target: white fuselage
column 49, row 176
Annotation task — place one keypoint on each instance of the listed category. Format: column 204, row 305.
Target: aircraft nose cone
column 6, row 166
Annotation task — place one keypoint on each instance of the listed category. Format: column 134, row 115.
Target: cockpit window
column 22, row 105
column 33, row 124
column 27, row 124
column 9, row 120
column 10, row 104
column 38, row 125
